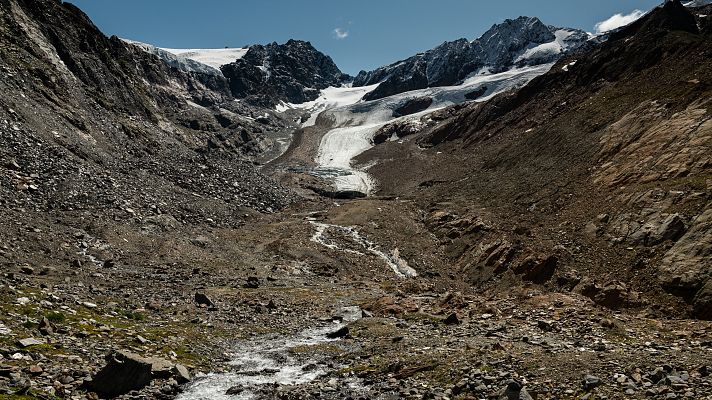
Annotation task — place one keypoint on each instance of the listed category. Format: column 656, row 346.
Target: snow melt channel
column 264, row 362
column 399, row 266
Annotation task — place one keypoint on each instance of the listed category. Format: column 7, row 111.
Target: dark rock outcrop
column 671, row 16
column 413, row 106
column 398, row 129
column 537, row 269
column 702, row 303
column 476, row 94
column 293, row 72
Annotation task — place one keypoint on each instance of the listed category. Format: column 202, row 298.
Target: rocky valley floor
column 198, row 296
column 540, row 230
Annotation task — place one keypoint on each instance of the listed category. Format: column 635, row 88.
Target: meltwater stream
column 326, row 233
column 269, row 360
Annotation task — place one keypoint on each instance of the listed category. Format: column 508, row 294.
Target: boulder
column 391, row 306
column 46, row 327
column 181, row 374
column 591, row 382
column 24, row 343
column 613, row 295
column 537, row 269
column 160, row 368
column 123, row 373
column 253, row 282
column 339, row 334
column 203, row 300
column 514, row 391
column 452, row 319
column 348, row 314
column 27, row 270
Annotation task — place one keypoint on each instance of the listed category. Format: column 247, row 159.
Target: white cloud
column 618, row 20
column 340, row 34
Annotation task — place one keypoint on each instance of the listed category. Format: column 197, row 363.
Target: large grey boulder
column 126, row 371
column 123, row 373
column 514, row 391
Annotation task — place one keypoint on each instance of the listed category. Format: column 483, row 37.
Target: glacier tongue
column 357, row 122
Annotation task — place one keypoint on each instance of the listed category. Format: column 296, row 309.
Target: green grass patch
column 46, row 349
column 133, row 316
column 17, row 397
column 56, row 317
column 30, row 395
column 29, row 325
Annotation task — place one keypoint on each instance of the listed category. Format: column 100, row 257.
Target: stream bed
column 266, row 362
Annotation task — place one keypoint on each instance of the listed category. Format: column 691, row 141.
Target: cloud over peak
column 340, row 34
column 618, row 21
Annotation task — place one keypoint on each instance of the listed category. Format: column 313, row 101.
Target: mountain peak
column 294, row 72
column 513, row 35
column 520, row 41
column 522, row 20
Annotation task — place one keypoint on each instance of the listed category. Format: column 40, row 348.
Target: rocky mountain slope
column 594, row 178
column 92, row 122
column 524, row 41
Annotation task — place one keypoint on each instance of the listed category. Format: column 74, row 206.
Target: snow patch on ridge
column 330, row 98
column 215, row 58
column 546, row 50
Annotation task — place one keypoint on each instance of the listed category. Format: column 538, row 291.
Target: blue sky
column 358, row 34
